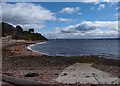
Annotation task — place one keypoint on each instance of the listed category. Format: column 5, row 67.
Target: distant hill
column 18, row 33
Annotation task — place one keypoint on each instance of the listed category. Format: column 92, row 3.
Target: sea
column 78, row 47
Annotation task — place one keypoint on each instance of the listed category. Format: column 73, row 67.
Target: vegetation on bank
column 18, row 32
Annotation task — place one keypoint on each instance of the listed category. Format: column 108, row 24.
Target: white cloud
column 70, row 10
column 61, row 1
column 26, row 14
column 79, row 13
column 118, row 8
column 98, row 1
column 101, row 6
column 118, row 14
column 25, row 10
column 89, row 0
column 35, row 26
column 65, row 20
column 92, row 8
column 29, row 15
column 87, row 29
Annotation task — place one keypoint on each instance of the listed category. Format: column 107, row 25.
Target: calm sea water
column 77, row 47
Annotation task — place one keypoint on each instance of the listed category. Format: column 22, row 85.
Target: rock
column 64, row 74
column 9, row 74
column 118, row 76
column 56, row 74
column 31, row 75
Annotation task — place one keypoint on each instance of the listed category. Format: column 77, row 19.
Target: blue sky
column 106, row 14
column 65, row 19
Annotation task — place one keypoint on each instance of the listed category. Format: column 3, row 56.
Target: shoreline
column 32, row 45
column 20, row 69
column 103, row 55
column 22, row 61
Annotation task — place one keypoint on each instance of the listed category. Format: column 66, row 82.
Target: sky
column 65, row 20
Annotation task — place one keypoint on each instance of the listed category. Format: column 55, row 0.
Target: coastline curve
column 29, row 47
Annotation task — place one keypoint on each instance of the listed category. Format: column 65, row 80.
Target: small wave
column 110, row 56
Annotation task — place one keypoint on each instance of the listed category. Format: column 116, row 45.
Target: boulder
column 31, row 75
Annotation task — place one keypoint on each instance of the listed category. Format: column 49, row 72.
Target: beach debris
column 31, row 75
column 64, row 74
column 56, row 74
column 118, row 76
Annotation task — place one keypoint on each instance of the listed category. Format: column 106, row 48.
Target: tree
column 19, row 28
column 31, row 30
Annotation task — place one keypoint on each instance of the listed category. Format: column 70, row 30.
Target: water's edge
column 104, row 55
column 32, row 45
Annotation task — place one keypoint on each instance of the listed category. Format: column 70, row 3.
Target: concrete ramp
column 83, row 73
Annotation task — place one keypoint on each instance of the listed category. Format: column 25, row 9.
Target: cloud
column 79, row 13
column 29, row 15
column 70, row 10
column 18, row 10
column 65, row 20
column 26, row 14
column 98, row 1
column 92, row 8
column 118, row 14
column 117, row 8
column 87, row 29
column 35, row 26
column 89, row 0
column 101, row 6
column 86, row 1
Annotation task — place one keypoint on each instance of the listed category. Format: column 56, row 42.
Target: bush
column 18, row 33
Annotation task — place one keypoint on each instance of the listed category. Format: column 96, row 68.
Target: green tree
column 31, row 30
column 19, row 28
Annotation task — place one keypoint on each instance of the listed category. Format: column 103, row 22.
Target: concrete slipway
column 83, row 73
